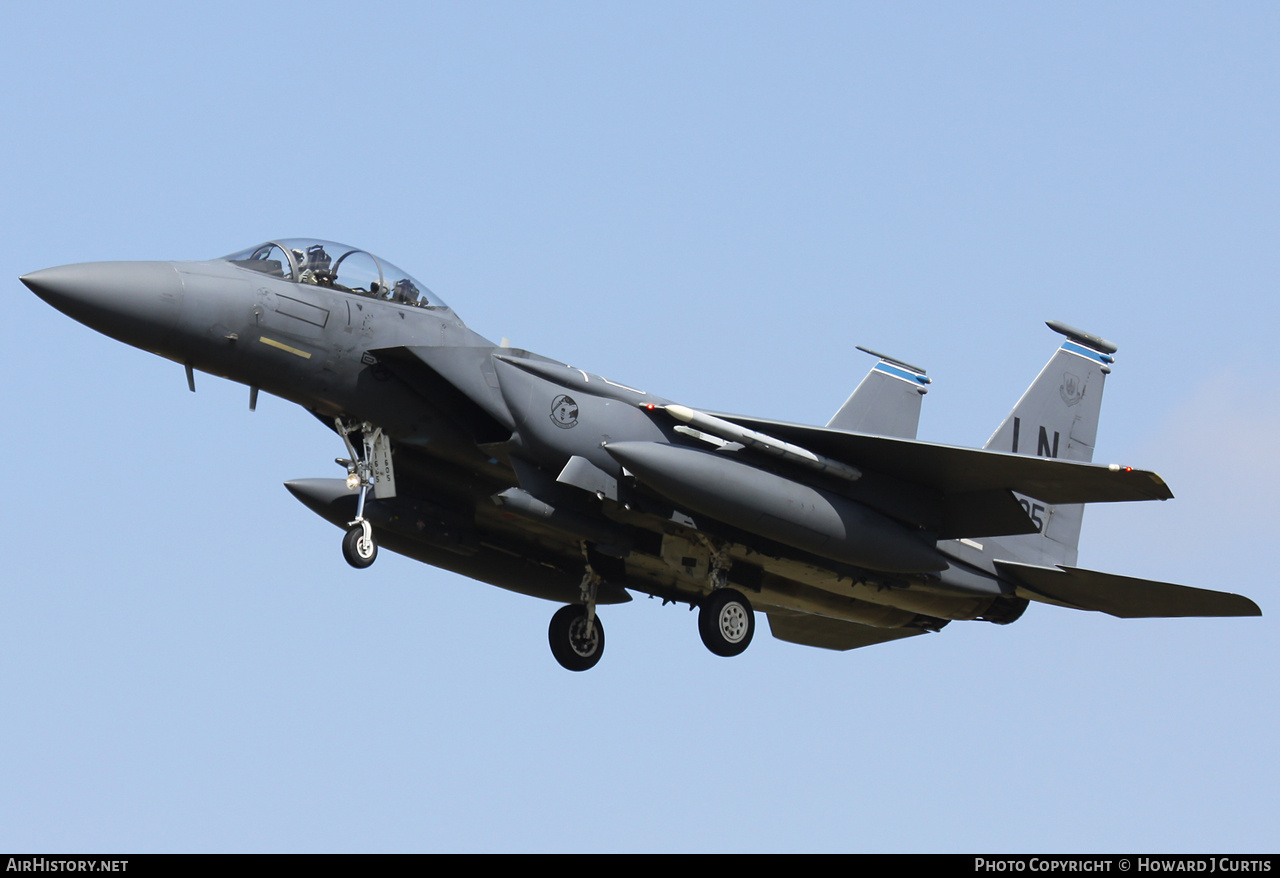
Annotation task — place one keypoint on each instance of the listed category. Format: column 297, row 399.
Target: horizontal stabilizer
column 832, row 633
column 1121, row 596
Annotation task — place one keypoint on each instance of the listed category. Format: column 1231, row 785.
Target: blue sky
column 711, row 201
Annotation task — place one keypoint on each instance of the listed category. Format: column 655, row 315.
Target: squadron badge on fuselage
column 564, row 412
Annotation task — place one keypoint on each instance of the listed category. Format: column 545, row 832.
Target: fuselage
column 320, row 325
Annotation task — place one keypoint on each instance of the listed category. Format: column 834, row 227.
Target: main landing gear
column 575, row 633
column 576, row 641
column 726, row 621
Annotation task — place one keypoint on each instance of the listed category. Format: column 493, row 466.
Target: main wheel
column 358, row 551
column 575, row 647
column 726, row 622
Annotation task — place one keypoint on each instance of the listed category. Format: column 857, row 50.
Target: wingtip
column 1159, row 488
column 1162, row 489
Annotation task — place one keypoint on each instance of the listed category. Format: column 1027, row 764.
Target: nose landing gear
column 372, row 469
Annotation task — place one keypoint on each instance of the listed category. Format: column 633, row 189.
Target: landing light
column 353, row 482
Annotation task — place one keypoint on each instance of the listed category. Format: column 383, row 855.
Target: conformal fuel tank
column 778, row 508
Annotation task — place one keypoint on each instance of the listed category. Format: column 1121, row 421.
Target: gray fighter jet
column 523, row 472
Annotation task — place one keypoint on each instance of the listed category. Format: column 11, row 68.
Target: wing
column 951, row 491
column 955, row 470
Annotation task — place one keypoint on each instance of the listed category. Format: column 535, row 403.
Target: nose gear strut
column 368, row 468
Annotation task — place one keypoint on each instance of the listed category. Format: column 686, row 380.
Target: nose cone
column 135, row 302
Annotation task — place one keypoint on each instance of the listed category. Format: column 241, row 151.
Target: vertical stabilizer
column 887, row 402
column 1056, row 417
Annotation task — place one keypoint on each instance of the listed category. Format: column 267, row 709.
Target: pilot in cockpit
column 404, row 291
column 315, row 266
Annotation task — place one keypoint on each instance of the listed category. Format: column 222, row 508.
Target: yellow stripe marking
column 284, row 347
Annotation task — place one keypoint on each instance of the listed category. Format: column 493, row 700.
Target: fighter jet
column 523, row 472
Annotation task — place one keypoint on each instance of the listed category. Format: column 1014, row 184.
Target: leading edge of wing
column 1122, row 596
column 952, row 469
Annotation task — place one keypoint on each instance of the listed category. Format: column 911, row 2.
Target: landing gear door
column 384, row 475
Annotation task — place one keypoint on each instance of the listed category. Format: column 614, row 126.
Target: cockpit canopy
column 338, row 267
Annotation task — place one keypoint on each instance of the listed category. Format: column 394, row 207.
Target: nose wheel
column 359, row 547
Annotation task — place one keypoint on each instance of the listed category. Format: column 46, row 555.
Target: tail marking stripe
column 1072, row 347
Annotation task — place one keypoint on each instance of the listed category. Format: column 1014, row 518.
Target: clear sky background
column 711, row 201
